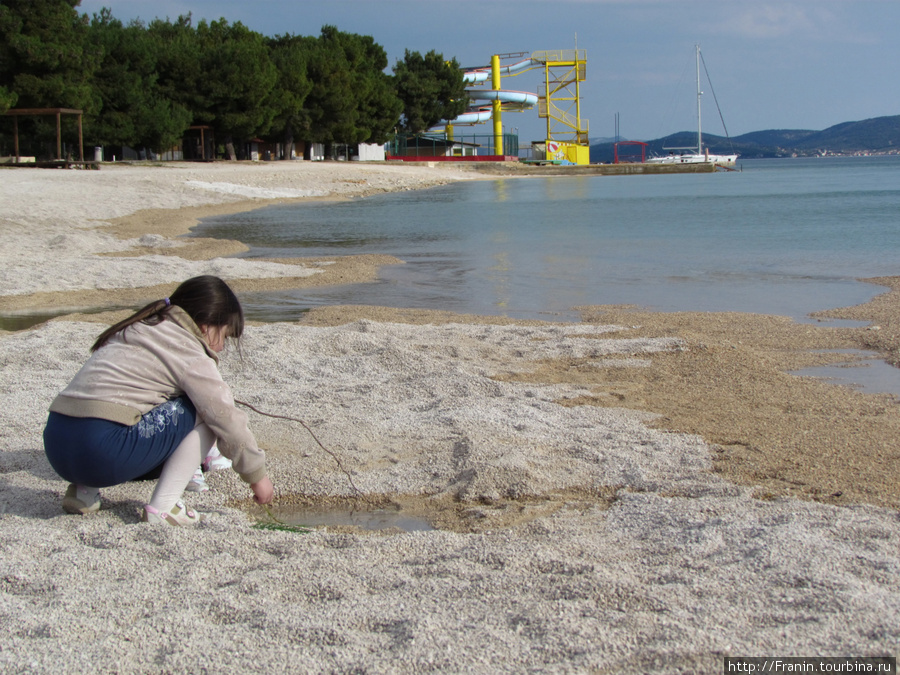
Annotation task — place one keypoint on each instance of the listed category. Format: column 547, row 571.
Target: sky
column 773, row 64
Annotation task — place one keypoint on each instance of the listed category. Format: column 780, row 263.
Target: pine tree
column 431, row 89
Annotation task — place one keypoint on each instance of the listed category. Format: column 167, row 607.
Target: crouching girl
column 150, row 401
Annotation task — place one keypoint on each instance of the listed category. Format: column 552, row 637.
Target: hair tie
column 168, row 302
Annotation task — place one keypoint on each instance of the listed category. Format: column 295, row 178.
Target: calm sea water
column 788, row 236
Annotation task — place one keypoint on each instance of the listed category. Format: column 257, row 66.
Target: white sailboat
column 699, row 154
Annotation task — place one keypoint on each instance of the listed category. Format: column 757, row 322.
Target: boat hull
column 695, row 158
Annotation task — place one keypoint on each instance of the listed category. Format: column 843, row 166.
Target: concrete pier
column 623, row 169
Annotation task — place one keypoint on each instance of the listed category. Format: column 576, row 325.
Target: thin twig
column 337, row 459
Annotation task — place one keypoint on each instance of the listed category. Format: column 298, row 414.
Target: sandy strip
column 635, row 493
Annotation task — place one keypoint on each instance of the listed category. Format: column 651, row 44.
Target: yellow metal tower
column 560, row 103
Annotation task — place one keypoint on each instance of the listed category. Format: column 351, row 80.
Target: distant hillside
column 879, row 135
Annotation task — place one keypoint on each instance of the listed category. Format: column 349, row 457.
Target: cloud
column 771, row 21
column 834, row 21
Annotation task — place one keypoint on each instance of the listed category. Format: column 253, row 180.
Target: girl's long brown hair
column 207, row 300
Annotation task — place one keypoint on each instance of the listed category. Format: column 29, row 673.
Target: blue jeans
column 99, row 453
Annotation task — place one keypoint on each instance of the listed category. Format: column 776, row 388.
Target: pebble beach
column 634, row 493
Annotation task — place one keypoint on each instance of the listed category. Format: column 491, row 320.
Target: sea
column 778, row 236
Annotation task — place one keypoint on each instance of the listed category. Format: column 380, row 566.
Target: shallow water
column 23, row 320
column 863, row 373
column 786, row 237
column 374, row 519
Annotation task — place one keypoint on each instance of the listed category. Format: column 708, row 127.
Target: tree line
column 142, row 85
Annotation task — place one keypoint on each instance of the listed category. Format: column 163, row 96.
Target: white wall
column 371, row 152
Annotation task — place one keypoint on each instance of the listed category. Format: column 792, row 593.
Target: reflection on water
column 375, row 519
column 786, row 237
column 866, row 373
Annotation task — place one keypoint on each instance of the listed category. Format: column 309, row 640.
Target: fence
column 442, row 144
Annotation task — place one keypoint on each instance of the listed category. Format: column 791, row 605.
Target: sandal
column 197, row 483
column 178, row 515
column 80, row 500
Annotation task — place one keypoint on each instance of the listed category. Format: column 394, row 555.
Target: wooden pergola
column 59, row 112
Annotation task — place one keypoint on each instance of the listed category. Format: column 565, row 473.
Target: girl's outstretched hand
column 263, row 491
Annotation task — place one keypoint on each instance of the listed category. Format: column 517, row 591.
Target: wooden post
column 59, row 112
column 80, row 140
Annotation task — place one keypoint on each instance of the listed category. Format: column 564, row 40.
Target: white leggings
column 181, row 465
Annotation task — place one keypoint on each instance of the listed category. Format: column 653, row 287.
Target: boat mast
column 699, row 94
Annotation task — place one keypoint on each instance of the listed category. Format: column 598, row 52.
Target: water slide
column 508, row 100
column 513, row 101
column 488, row 100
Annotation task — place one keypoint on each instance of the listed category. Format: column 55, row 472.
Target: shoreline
column 752, row 457
column 638, row 492
column 162, row 231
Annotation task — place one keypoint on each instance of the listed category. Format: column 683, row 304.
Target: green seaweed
column 279, row 525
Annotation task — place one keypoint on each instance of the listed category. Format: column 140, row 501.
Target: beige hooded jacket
column 143, row 366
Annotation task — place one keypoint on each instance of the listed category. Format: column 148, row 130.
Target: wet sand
column 639, row 492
